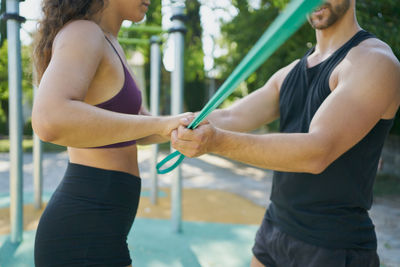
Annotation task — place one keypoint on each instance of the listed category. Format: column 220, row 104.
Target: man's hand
column 194, row 143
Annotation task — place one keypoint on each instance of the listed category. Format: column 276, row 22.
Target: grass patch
column 27, row 146
column 387, row 185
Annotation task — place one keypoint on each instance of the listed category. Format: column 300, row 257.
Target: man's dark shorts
column 274, row 248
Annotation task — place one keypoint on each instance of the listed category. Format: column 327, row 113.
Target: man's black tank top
column 327, row 209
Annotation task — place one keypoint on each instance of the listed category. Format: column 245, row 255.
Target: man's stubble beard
column 335, row 14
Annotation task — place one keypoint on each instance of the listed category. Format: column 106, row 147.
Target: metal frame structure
column 177, row 31
column 155, row 81
column 15, row 119
column 37, row 168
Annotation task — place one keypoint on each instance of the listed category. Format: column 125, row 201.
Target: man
column 336, row 106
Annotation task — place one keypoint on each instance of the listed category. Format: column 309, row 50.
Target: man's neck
column 333, row 37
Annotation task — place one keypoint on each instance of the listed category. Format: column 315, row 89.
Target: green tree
column 3, row 89
column 238, row 40
column 27, row 87
column 195, row 87
column 3, row 26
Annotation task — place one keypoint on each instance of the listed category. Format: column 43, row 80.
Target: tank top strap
column 354, row 41
column 330, row 64
column 340, row 53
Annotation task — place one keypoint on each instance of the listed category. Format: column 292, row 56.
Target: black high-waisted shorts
column 88, row 218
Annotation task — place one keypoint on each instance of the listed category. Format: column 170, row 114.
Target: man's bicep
column 354, row 107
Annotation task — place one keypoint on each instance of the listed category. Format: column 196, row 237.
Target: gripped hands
column 170, row 123
column 194, row 143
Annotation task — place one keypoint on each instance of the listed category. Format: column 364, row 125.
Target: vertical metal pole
column 15, row 123
column 155, row 73
column 177, row 31
column 37, row 168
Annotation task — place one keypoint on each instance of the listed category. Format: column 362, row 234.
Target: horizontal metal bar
column 149, row 29
column 134, row 41
column 12, row 16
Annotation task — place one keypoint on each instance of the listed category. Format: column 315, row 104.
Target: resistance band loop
column 280, row 30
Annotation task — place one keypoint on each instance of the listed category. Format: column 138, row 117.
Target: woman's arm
column 60, row 114
column 155, row 138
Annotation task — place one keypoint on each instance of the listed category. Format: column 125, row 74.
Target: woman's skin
column 84, row 71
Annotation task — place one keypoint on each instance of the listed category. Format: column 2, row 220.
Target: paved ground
column 211, row 172
column 152, row 244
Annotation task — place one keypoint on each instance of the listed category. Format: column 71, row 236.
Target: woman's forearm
column 153, row 139
column 77, row 124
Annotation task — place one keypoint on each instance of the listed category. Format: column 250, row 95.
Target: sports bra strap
column 115, row 50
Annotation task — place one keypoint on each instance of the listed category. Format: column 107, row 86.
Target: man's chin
column 321, row 23
column 320, row 27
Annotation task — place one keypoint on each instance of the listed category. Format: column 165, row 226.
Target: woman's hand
column 167, row 124
column 194, row 143
column 172, row 123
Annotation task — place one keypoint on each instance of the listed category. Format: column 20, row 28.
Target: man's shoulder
column 373, row 50
column 372, row 64
column 281, row 74
column 372, row 57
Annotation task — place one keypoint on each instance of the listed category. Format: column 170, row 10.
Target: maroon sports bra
column 128, row 100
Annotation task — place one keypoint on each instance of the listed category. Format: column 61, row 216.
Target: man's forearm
column 225, row 119
column 298, row 152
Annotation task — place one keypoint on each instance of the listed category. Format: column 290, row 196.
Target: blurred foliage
column 3, row 89
column 27, row 146
column 379, row 17
column 27, row 86
column 3, row 24
column 382, row 19
column 195, row 86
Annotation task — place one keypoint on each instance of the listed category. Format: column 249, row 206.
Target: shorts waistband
column 100, row 185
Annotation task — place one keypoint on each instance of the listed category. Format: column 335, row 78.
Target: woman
column 80, row 104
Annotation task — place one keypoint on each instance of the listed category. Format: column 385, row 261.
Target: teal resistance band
column 281, row 29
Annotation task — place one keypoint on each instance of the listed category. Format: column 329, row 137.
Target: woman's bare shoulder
column 80, row 33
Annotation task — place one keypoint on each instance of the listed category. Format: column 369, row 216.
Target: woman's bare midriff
column 122, row 159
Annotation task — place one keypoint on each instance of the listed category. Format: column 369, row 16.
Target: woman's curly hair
column 57, row 13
